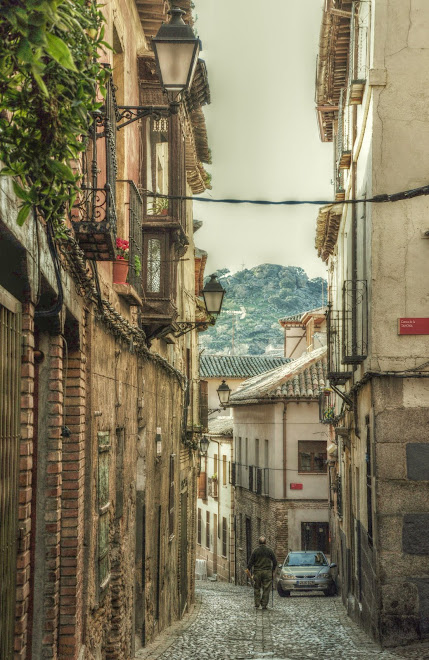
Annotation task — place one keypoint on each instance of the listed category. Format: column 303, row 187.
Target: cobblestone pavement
column 224, row 625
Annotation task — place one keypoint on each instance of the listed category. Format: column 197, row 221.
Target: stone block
column 415, row 533
column 390, row 533
column 400, row 598
column 397, row 630
column 401, row 497
column 403, row 425
column 418, row 461
column 390, row 461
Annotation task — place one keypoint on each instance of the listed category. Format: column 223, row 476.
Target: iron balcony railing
column 94, row 213
column 135, row 238
column 336, row 371
column 355, row 321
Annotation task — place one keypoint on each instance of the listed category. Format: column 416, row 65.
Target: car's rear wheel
column 281, row 592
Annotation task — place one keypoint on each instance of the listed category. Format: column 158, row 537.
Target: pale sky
column 262, row 129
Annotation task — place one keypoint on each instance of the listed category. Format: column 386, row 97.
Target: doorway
column 315, row 536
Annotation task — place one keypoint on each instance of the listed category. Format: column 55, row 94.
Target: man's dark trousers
column 262, row 580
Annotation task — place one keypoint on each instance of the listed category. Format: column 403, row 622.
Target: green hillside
column 267, row 292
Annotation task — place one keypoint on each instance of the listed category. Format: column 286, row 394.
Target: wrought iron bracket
column 127, row 114
column 183, row 327
column 342, row 395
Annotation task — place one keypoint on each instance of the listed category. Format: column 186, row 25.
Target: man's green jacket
column 262, row 559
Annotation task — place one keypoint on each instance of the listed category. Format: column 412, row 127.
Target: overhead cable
column 377, row 199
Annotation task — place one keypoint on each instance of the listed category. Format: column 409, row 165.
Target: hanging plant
column 49, row 72
column 137, row 265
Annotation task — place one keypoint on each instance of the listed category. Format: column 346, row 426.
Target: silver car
column 306, row 570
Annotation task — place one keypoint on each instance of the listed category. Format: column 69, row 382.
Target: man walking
column 264, row 562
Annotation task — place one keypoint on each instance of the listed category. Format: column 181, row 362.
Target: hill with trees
column 267, row 292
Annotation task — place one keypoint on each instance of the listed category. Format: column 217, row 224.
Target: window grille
column 336, row 371
column 355, row 321
column 10, row 369
column 103, row 509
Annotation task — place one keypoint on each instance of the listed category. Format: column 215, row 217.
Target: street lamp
column 176, row 51
column 223, row 392
column 204, row 445
column 213, row 294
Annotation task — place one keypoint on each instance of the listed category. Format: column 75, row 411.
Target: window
column 215, row 465
column 312, row 456
column 154, row 265
column 240, row 461
column 103, row 492
column 208, row 529
column 157, row 159
column 224, row 469
column 257, row 452
column 199, row 527
column 224, row 536
column 171, row 498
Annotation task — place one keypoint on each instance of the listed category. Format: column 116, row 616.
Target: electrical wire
column 377, row 199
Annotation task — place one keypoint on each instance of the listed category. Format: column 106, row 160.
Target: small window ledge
column 128, row 293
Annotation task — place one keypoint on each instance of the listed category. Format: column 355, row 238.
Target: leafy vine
column 49, row 74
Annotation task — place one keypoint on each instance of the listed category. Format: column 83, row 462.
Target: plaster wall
column 303, row 424
column 400, row 266
column 213, row 384
column 221, row 506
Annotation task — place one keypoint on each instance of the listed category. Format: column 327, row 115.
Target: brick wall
column 23, row 574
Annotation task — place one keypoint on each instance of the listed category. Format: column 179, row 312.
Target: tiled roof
column 304, row 377
column 327, row 228
column 297, row 318
column 238, row 366
column 221, row 426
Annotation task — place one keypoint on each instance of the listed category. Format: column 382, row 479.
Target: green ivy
column 49, row 72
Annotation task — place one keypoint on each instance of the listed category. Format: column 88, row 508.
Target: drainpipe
column 284, row 452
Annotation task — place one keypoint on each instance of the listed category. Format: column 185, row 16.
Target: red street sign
column 413, row 326
column 296, row 486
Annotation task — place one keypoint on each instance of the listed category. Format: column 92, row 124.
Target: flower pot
column 120, row 271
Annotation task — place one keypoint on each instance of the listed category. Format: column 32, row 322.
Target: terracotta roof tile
column 238, row 366
column 302, row 378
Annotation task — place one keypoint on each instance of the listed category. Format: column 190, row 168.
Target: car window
column 306, row 559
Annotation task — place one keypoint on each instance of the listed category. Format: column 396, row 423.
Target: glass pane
column 305, row 462
column 320, row 462
column 154, row 265
column 157, row 165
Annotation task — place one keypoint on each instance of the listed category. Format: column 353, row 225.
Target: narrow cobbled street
column 225, row 626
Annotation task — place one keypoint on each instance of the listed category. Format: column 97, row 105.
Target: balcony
column 132, row 291
column 94, row 222
column 336, row 372
column 355, row 321
column 93, row 215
